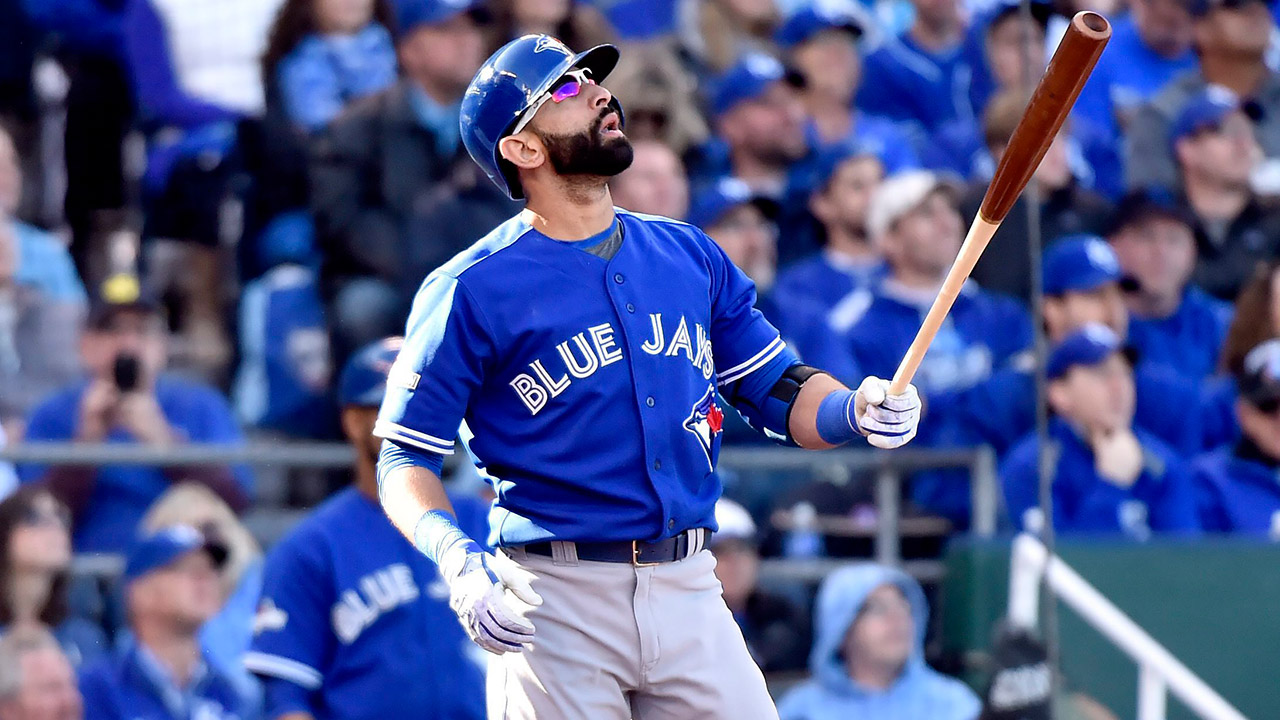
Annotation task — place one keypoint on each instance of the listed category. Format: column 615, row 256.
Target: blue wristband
column 835, row 417
column 437, row 533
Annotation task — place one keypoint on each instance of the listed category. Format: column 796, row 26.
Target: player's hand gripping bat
column 1068, row 69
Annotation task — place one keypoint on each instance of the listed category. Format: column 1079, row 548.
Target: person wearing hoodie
column 868, row 655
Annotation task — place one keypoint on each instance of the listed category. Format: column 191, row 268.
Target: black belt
column 635, row 552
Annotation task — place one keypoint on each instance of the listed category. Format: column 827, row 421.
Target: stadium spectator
column 662, row 96
column 1108, row 476
column 868, row 654
column 821, row 43
column 1150, row 45
column 393, row 192
column 36, row 681
column 846, row 178
column 655, row 182
column 922, row 77
column 42, row 303
column 914, row 221
column 776, row 631
column 35, row 557
column 345, row 629
column 226, row 636
column 1009, row 50
column 322, row 54
column 162, row 671
column 720, row 33
column 196, row 75
column 127, row 397
column 758, row 115
column 1236, row 486
column 1231, row 39
column 1081, row 279
column 576, row 24
column 1171, row 322
column 1065, row 207
column 1216, row 149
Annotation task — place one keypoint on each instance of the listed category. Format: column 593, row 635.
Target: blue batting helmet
column 508, row 84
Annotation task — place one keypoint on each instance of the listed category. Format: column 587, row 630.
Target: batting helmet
column 508, row 83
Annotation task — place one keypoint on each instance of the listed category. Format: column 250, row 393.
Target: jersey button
column 649, row 401
column 671, row 524
column 617, row 277
column 631, row 308
column 657, row 464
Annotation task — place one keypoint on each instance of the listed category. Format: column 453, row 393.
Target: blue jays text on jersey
column 589, row 384
column 346, row 619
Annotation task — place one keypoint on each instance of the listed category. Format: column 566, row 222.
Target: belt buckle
column 635, row 556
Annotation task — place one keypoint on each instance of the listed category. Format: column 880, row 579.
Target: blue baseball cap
column 833, row 156
column 1079, row 263
column 363, row 381
column 1208, row 109
column 822, row 15
column 1141, row 205
column 711, row 203
column 165, row 546
column 747, row 80
column 1087, row 346
column 1041, row 11
column 412, row 13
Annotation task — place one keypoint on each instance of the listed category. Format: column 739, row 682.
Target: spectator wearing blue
column 42, row 303
column 127, row 397
column 161, row 672
column 913, row 220
column 922, row 76
column 1171, row 322
column 1231, row 39
column 741, row 222
column 1081, row 280
column 846, row 179
column 1215, row 144
column 1005, row 47
column 324, row 54
column 1150, row 45
column 822, row 43
column 1108, row 477
column 393, row 192
column 324, row 646
column 868, row 655
column 1236, row 486
column 758, row 115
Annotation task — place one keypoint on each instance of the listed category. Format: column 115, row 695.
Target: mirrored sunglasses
column 568, row 86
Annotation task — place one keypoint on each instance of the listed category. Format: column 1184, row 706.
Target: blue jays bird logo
column 705, row 421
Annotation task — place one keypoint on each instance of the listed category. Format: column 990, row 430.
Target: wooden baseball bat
column 1047, row 110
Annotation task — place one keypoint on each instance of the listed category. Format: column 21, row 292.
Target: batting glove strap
column 491, row 598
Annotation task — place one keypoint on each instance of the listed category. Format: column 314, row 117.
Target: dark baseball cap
column 363, row 381
column 1079, row 263
column 1088, row 346
column 748, row 79
column 833, row 156
column 711, row 203
column 119, row 293
column 1259, row 381
column 810, row 20
column 164, row 547
column 1143, row 204
column 412, row 13
column 1041, row 11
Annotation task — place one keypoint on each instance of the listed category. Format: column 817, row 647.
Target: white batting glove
column 485, row 594
column 888, row 421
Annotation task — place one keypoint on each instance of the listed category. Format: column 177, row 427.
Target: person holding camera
column 126, row 397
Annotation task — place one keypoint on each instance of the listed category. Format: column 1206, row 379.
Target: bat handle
column 975, row 242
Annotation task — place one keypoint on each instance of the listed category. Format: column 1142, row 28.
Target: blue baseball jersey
column 133, row 685
column 825, row 278
column 905, row 82
column 1162, row 499
column 355, row 615
column 1237, row 491
column 1189, row 340
column 590, row 384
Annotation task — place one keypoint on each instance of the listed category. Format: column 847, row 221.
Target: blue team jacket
column 1237, row 491
column 1187, row 341
column 129, row 686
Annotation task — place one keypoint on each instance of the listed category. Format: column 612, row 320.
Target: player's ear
column 820, row 205
column 524, row 150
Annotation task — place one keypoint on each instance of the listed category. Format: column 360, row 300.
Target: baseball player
column 588, row 349
column 351, row 614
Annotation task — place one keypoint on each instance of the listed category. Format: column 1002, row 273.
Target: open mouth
column 611, row 125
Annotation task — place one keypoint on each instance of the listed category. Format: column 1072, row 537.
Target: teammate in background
column 1236, row 486
column 868, row 656
column 577, row 342
column 162, row 672
column 36, row 680
column 1108, row 476
column 1171, row 322
column 353, row 623
column 846, row 178
column 775, row 630
column 655, row 184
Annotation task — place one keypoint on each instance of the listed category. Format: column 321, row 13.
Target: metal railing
column 1159, row 672
column 889, row 469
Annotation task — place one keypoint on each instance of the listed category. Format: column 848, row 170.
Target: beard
column 588, row 153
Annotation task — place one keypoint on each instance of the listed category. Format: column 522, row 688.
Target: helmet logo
column 546, row 42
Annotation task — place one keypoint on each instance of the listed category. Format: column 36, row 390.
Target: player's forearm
column 408, row 493
column 803, row 422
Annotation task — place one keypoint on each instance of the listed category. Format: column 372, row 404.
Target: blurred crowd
column 208, row 208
